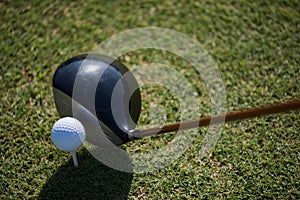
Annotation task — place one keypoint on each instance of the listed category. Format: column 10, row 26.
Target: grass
column 256, row 48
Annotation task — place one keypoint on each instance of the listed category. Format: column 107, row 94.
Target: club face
column 111, row 115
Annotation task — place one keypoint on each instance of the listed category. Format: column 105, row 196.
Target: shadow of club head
column 91, row 180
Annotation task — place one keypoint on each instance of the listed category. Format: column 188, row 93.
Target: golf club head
column 116, row 106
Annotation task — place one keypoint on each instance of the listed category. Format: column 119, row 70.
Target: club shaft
column 216, row 119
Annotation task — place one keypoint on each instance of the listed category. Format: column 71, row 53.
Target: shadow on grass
column 91, row 180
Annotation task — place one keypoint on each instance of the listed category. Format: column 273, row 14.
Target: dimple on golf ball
column 68, row 134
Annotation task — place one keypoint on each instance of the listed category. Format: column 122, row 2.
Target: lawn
column 256, row 47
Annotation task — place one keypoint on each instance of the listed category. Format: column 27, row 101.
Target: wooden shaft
column 216, row 119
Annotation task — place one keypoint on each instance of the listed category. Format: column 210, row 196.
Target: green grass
column 256, row 48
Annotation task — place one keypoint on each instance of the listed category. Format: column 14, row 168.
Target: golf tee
column 74, row 159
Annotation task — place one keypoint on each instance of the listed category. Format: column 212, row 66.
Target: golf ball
column 68, row 134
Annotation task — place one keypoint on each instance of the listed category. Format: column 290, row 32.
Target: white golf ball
column 68, row 134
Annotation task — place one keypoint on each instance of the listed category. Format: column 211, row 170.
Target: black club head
column 110, row 115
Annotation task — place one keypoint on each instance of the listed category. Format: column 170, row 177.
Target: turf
column 256, row 48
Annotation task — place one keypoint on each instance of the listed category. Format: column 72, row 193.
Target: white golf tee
column 74, row 158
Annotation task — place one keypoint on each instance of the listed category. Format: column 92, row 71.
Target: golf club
column 106, row 73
